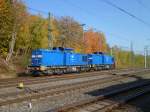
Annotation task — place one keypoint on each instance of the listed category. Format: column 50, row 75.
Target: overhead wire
column 44, row 12
column 36, row 10
column 91, row 13
column 126, row 12
column 41, row 11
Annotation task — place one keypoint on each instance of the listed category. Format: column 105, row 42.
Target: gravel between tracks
column 44, row 104
column 61, row 82
column 53, row 83
column 50, row 102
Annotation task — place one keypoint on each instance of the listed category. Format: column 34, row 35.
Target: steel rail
column 144, row 87
column 57, row 78
column 58, row 89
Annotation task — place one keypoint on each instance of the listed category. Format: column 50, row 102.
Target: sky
column 120, row 29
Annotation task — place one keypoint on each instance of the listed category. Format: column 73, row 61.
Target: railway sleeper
column 102, row 97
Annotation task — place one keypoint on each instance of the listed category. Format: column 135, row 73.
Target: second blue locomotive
column 64, row 60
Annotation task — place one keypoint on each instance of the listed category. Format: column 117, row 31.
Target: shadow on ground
column 142, row 103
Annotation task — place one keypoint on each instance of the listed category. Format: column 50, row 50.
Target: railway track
column 13, row 80
column 108, row 100
column 46, row 79
column 43, row 92
column 28, row 90
column 54, row 91
column 35, row 80
column 28, row 94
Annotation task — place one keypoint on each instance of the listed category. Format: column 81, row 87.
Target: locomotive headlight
column 39, row 56
column 33, row 56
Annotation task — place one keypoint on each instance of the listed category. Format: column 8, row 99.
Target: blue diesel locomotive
column 64, row 60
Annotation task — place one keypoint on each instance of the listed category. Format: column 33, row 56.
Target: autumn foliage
column 94, row 42
column 21, row 32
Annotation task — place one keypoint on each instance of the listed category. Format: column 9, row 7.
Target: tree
column 19, row 10
column 71, row 33
column 37, row 33
column 95, row 41
column 6, row 25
